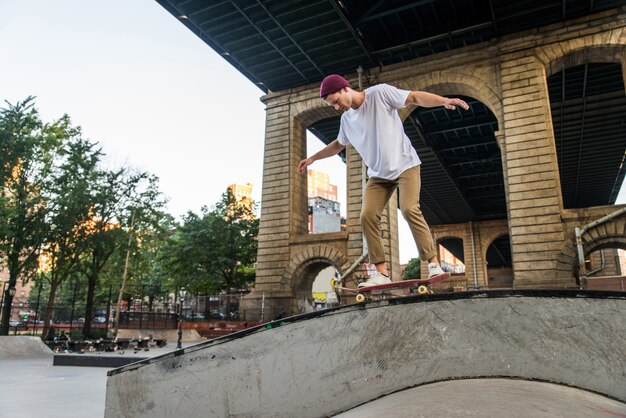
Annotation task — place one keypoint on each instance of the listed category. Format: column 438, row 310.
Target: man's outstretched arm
column 331, row 149
column 425, row 99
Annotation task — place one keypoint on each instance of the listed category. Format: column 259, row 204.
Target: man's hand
column 453, row 103
column 304, row 164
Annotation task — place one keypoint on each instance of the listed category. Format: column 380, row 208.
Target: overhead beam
column 433, row 38
column 493, row 17
column 582, row 132
column 297, row 44
column 366, row 18
column 195, row 28
column 268, row 40
column 352, row 30
column 370, row 10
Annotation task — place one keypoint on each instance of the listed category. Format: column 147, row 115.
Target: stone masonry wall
column 509, row 75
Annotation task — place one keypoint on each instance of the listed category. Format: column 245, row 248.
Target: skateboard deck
column 364, row 293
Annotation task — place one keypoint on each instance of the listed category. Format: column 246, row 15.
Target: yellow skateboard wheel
column 333, row 282
column 360, row 297
column 422, row 290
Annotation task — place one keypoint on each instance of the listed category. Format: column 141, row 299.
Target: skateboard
column 365, row 293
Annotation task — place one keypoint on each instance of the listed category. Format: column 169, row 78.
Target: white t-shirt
column 376, row 132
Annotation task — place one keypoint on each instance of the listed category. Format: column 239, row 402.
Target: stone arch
column 310, row 256
column 310, row 111
column 602, row 242
column 596, row 50
column 498, row 276
column 462, row 84
column 488, row 238
column 487, row 109
column 448, row 236
column 303, row 115
column 570, row 54
column 454, row 249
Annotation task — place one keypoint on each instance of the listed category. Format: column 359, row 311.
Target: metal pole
column 73, row 305
column 582, row 273
column 141, row 308
column 4, row 286
column 180, row 324
column 474, row 258
column 108, row 314
column 579, row 232
column 119, row 299
column 37, row 308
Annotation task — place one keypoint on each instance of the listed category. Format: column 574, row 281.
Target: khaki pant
column 377, row 193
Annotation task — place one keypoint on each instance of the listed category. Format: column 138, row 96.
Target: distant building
column 20, row 299
column 324, row 215
column 324, row 208
column 449, row 262
column 318, row 185
column 243, row 193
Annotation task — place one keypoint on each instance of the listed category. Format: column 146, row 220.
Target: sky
column 150, row 92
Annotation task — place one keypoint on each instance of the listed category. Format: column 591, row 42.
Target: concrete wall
column 330, row 362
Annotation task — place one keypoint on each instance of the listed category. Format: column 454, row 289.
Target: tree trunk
column 8, row 303
column 49, row 308
column 91, row 290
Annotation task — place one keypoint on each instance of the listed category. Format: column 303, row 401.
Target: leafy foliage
column 412, row 270
column 78, row 229
column 27, row 151
column 214, row 251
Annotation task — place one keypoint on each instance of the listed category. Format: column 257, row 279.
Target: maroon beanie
column 333, row 83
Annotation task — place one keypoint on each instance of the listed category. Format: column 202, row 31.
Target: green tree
column 413, row 270
column 27, row 148
column 213, row 252
column 69, row 200
column 126, row 204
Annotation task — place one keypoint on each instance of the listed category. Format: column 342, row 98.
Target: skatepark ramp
column 331, row 361
column 15, row 347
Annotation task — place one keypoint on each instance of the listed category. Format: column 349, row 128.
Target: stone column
column 280, row 213
column 531, row 173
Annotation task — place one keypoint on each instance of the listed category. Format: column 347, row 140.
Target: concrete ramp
column 23, row 347
column 510, row 398
column 328, row 362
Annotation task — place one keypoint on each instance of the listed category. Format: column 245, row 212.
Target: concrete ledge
column 330, row 361
column 90, row 360
column 171, row 335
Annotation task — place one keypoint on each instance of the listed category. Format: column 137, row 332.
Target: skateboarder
column 370, row 122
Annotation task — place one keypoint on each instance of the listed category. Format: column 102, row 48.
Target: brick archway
column 598, row 48
column 606, row 235
column 312, row 255
column 446, row 84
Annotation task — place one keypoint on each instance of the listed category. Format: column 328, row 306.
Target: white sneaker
column 375, row 279
column 434, row 269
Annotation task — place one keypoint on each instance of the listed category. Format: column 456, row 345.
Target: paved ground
column 31, row 387
column 34, row 388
